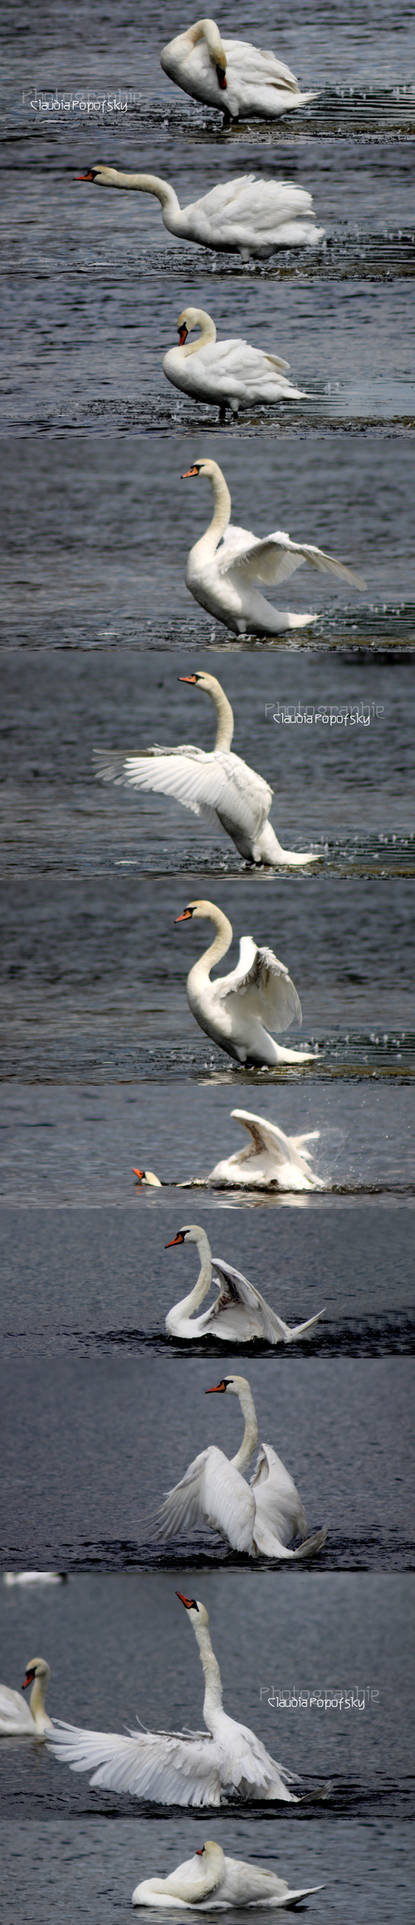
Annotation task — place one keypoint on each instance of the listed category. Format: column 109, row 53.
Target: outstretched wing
column 241, row 1308
column 214, row 783
column 265, row 986
column 277, row 557
column 211, row 1492
column 172, row 1770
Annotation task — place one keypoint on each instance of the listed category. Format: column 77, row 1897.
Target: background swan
column 20, row 1720
column 224, row 566
column 228, row 372
column 212, row 1882
column 175, row 1768
column 263, row 1516
column 243, row 216
column 239, row 1314
column 214, row 783
column 235, row 1009
column 270, row 1161
column 231, row 74
column 34, row 1577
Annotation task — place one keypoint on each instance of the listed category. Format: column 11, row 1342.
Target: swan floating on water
column 177, row 1768
column 240, row 79
column 226, row 563
column 243, row 216
column 34, row 1577
column 271, row 1161
column 215, row 1883
column 239, row 1314
column 214, row 783
column 20, row 1720
column 235, row 1009
column 260, row 1518
column 230, row 373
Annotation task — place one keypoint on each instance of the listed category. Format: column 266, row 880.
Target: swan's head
column 203, row 467
column 148, row 1176
column 36, row 1669
column 198, row 908
column 197, row 1611
column 208, row 683
column 211, row 1852
column 234, row 1384
column 193, row 317
column 100, row 176
column 190, row 1233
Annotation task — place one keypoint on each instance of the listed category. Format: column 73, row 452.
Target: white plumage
column 213, row 783
column 270, row 1161
column 20, row 1720
column 239, row 1009
column 230, row 373
column 175, row 1768
column 242, row 216
column 239, row 1313
column 224, row 566
column 212, row 1882
column 264, row 1516
column 240, row 79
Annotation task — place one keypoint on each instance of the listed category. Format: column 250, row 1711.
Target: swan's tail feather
column 301, row 1329
column 312, row 1545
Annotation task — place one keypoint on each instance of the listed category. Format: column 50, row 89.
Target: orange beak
column 139, row 1173
column 87, row 176
column 187, row 1601
column 212, row 1388
column 183, row 333
column 188, row 678
column 169, row 1246
column 199, row 1853
column 186, row 916
column 188, row 472
column 27, row 1680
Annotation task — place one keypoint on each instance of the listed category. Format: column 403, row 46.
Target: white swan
column 231, row 74
column 243, row 216
column 214, row 783
column 228, row 372
column 20, row 1720
column 225, row 564
column 262, row 1517
column 239, row 1314
column 236, row 1009
column 270, row 1161
column 175, row 1768
column 215, row 1883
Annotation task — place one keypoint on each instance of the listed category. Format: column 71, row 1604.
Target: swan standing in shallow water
column 240, row 79
column 235, row 1009
column 20, row 1720
column 215, row 1883
column 270, row 1161
column 175, row 1768
column 239, row 1313
column 214, row 783
column 243, row 216
column 229, row 372
column 224, row 566
column 260, row 1518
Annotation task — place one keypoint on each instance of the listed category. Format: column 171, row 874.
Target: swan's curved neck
column 37, row 1699
column 207, row 332
column 151, row 184
column 217, row 948
column 250, row 1436
column 203, row 1283
column 221, row 513
column 208, row 30
column 224, row 731
column 212, row 1702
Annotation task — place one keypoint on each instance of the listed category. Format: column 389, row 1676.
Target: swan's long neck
column 208, row 30
column 224, row 731
column 212, row 1702
column 216, row 949
column 37, row 1699
column 203, row 1283
column 151, row 184
column 250, row 1436
column 207, row 332
column 221, row 514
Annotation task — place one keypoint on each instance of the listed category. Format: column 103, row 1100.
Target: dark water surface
column 90, row 1452
column 122, row 1647
column 56, row 818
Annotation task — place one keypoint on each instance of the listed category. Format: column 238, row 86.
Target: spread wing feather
column 237, row 1293
column 264, row 984
column 276, row 558
column 211, row 1492
column 169, row 1769
column 277, row 1502
column 209, row 782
